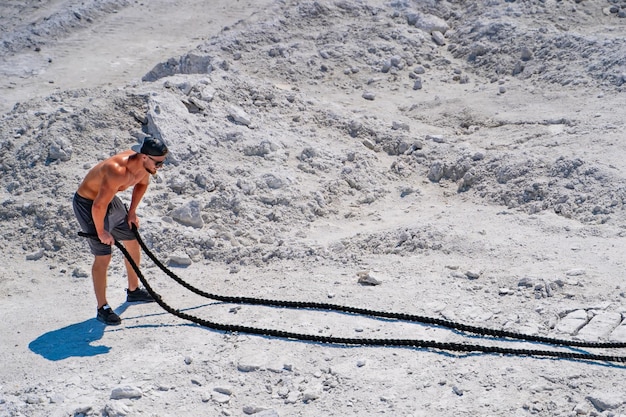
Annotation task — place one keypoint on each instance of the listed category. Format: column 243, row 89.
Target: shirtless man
column 100, row 212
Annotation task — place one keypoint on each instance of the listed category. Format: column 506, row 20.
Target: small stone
column 126, row 392
column 238, row 115
column 220, row 398
column 310, row 395
column 457, row 275
column 224, row 390
column 526, row 282
column 57, row 399
column 57, row 151
column 435, row 138
column 603, row 401
column 116, row 409
column 179, row 260
column 438, row 38
column 33, row 399
column 189, row 214
column 400, row 126
column 472, row 274
column 34, row 256
column 369, row 144
column 252, row 409
column 247, row 367
column 82, row 410
column 366, row 278
column 292, row 398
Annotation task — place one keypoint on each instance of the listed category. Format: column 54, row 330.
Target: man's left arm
column 138, row 192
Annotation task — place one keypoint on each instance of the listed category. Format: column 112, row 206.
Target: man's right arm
column 107, row 190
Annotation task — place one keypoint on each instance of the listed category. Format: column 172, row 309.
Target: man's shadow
column 73, row 341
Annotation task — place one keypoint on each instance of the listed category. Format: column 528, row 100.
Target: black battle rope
column 366, row 312
column 457, row 347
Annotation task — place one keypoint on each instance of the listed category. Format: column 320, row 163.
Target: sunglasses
column 157, row 164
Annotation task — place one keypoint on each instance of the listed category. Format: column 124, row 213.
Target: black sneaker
column 138, row 295
column 107, row 316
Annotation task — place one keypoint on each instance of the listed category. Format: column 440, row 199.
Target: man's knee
column 102, row 260
column 132, row 246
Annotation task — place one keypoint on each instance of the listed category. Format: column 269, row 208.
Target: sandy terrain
column 112, row 45
column 467, row 157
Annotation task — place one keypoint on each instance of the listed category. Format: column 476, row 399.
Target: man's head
column 152, row 147
column 153, row 152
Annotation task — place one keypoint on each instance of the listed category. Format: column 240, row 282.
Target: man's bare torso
column 117, row 173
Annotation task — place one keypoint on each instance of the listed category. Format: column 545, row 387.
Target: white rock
column 246, row 366
column 226, row 390
column 427, row 22
column 220, row 398
column 58, row 152
column 438, row 38
column 293, row 397
column 472, row 274
column 600, row 326
column 82, row 410
column 116, row 409
column 607, row 400
column 189, row 214
column 33, row 399
column 311, row 394
column 239, row 115
column 34, row 256
column 573, row 322
column 366, row 278
column 253, row 409
column 179, row 259
column 619, row 333
column 125, row 391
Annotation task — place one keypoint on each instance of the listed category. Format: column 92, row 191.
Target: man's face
column 153, row 163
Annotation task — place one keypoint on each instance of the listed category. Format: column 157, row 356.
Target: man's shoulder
column 117, row 164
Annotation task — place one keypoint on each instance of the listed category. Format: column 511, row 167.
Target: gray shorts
column 115, row 222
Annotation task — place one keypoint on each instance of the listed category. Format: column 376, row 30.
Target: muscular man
column 100, row 212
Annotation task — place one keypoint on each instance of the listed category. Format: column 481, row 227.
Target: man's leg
column 134, row 293
column 133, row 248
column 99, row 275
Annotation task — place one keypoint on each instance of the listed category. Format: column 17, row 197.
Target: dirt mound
column 34, row 25
column 265, row 75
